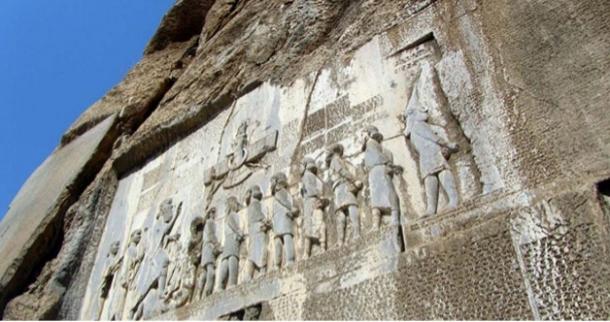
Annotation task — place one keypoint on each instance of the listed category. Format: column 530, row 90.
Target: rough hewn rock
column 521, row 88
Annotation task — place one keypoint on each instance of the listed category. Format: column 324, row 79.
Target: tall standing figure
column 182, row 280
column 379, row 164
column 258, row 225
column 211, row 249
column 433, row 151
column 134, row 255
column 153, row 278
column 234, row 236
column 110, row 274
column 284, row 212
column 312, row 190
column 345, row 188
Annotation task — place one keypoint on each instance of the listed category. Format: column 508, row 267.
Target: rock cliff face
column 332, row 159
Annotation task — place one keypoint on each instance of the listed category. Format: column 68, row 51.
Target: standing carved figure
column 175, row 268
column 234, row 236
column 345, row 188
column 110, row 274
column 379, row 164
column 312, row 190
column 134, row 255
column 284, row 212
column 133, row 259
column 151, row 284
column 258, row 225
column 433, row 151
column 210, row 251
column 181, row 280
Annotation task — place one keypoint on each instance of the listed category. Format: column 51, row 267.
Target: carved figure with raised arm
column 233, row 237
column 153, row 280
column 345, row 188
column 314, row 203
column 284, row 212
column 184, row 287
column 258, row 225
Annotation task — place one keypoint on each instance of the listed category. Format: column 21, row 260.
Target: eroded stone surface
column 31, row 224
column 475, row 130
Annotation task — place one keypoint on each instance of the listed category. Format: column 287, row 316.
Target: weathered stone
column 32, row 227
column 488, row 114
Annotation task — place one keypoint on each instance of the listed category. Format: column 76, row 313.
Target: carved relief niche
column 446, row 168
column 285, row 174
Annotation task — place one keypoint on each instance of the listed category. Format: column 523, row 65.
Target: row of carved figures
column 147, row 272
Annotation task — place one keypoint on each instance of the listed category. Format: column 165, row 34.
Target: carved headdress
column 415, row 111
column 277, row 180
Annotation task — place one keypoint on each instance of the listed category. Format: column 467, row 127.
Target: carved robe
column 344, row 187
column 210, row 244
column 133, row 260
column 109, row 275
column 313, row 205
column 233, row 235
column 378, row 161
column 424, row 138
column 282, row 213
column 257, row 250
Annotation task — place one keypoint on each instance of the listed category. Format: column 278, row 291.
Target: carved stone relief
column 239, row 164
column 314, row 204
column 258, row 225
column 345, row 188
column 233, row 238
column 211, row 250
column 284, row 212
column 373, row 147
column 110, row 276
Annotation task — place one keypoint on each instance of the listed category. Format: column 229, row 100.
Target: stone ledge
column 336, row 268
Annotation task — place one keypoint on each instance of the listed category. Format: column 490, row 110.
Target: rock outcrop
column 474, row 151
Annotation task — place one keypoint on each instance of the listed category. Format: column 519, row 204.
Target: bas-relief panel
column 278, row 157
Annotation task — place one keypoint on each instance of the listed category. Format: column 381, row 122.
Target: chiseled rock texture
column 523, row 88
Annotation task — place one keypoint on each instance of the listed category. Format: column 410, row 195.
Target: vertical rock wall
column 515, row 93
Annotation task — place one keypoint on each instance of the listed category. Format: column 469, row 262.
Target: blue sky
column 56, row 59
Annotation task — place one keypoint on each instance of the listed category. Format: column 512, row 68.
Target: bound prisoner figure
column 110, row 274
column 258, row 225
column 433, row 151
column 312, row 190
column 380, row 167
column 234, row 236
column 345, row 187
column 178, row 263
column 211, row 250
column 284, row 212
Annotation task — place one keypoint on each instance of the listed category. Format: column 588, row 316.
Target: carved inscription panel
column 282, row 175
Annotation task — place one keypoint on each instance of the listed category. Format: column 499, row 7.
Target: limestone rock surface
column 512, row 94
